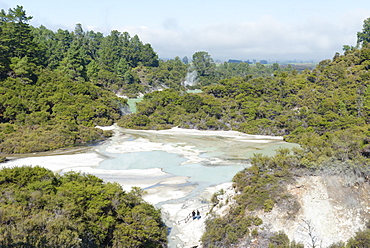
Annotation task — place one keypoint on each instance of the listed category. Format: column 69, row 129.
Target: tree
column 308, row 227
column 122, row 68
column 185, row 60
column 93, row 42
column 203, row 63
column 110, row 51
column 279, row 240
column 16, row 39
column 363, row 37
column 275, row 67
column 148, row 56
column 133, row 51
column 74, row 64
column 361, row 240
column 23, row 68
column 16, row 32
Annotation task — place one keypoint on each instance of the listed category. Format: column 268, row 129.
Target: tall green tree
column 363, row 37
column 203, row 63
column 110, row 50
column 16, row 39
column 148, row 56
column 205, row 67
column 74, row 64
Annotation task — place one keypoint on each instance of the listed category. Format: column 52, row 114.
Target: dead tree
column 307, row 226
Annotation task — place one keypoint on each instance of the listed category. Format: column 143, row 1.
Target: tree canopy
column 363, row 38
column 41, row 209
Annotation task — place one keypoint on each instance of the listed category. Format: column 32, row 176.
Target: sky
column 311, row 30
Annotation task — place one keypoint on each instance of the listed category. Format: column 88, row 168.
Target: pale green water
column 194, row 91
column 221, row 157
column 142, row 160
column 205, row 175
column 199, row 173
column 132, row 103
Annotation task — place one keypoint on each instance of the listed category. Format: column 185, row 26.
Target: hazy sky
column 232, row 29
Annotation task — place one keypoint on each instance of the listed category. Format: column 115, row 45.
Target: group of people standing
column 195, row 216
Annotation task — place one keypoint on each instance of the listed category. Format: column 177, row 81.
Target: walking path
column 190, row 216
column 184, row 232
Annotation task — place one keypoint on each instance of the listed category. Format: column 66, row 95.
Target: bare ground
column 330, row 211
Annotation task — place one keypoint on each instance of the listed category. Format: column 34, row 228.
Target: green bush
column 41, row 209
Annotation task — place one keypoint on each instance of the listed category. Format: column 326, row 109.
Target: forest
column 57, row 86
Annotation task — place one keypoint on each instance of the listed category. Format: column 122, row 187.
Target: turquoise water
column 142, row 160
column 194, row 91
column 206, row 174
column 172, row 163
column 221, row 157
column 132, row 103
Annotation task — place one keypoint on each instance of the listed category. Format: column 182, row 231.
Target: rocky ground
column 330, row 211
column 184, row 231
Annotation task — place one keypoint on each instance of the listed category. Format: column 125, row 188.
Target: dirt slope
column 330, row 211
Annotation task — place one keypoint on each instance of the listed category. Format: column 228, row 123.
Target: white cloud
column 254, row 30
column 266, row 38
column 234, row 29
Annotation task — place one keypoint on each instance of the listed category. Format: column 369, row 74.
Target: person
column 198, row 214
column 193, row 214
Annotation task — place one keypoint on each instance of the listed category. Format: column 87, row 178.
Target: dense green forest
column 56, row 86
column 41, row 209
